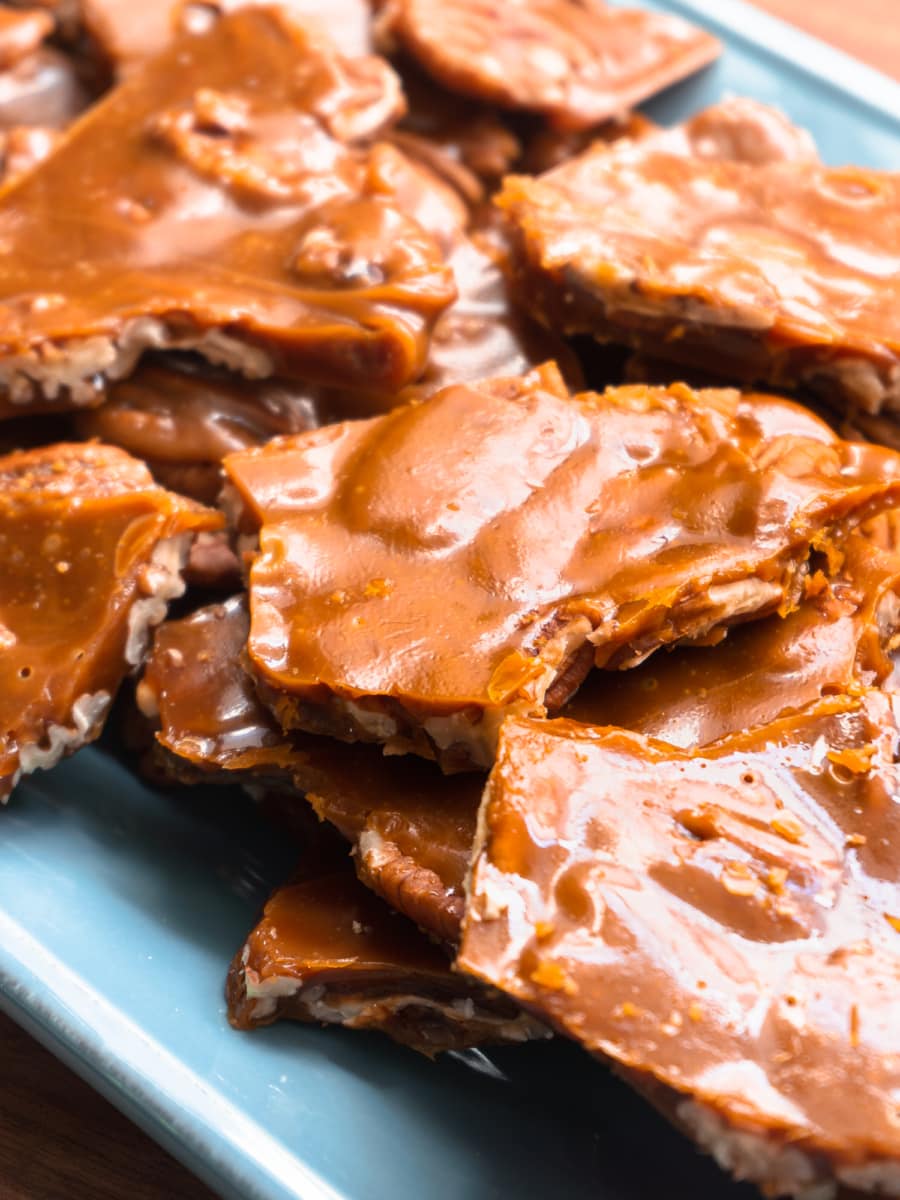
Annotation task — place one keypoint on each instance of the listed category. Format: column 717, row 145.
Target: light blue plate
column 120, row 908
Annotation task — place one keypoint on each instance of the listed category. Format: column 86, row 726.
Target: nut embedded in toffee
column 724, row 924
column 426, row 573
column 90, row 550
column 577, row 62
column 38, row 83
column 777, row 272
column 327, row 950
column 219, row 209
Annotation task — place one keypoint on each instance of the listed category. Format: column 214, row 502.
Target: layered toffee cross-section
column 722, row 925
column 764, row 268
column 91, row 551
column 575, row 63
column 424, row 574
column 327, row 950
column 229, row 201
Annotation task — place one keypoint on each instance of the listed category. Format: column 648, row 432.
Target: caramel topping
column 518, row 525
column 218, row 208
column 576, row 63
column 779, row 271
column 126, row 34
column 90, row 550
column 835, row 640
column 326, row 949
column 758, row 923
column 738, row 129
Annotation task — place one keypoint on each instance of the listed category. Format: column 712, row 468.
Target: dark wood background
column 58, row 1139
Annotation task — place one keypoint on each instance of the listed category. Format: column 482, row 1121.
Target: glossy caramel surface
column 783, row 268
column 724, row 923
column 194, row 688
column 78, row 528
column 576, row 63
column 837, row 639
column 218, row 191
column 450, row 559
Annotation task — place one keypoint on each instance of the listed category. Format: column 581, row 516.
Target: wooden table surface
column 58, row 1139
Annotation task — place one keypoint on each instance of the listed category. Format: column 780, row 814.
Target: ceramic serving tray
column 120, row 908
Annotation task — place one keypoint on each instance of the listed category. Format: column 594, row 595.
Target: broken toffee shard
column 576, row 63
column 424, row 574
column 91, row 551
column 838, row 639
column 724, row 926
column 227, row 203
column 326, row 949
column 776, row 272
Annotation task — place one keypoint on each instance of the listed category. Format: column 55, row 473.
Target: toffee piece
column 125, row 34
column 326, row 949
column 91, row 551
column 424, row 574
column 838, row 639
column 210, row 724
column 182, row 419
column 410, row 827
column 228, row 202
column 775, row 271
column 721, row 924
column 576, row 62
